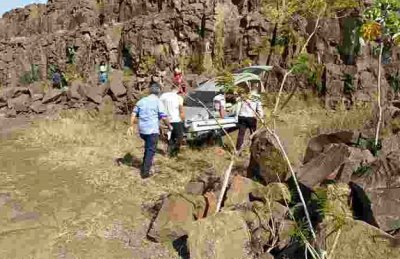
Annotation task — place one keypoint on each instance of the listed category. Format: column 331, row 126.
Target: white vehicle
column 199, row 109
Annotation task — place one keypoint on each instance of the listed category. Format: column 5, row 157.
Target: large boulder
column 239, row 191
column 359, row 240
column 13, row 92
column 316, row 145
column 73, row 90
column 340, row 234
column 116, row 84
column 221, row 236
column 266, row 160
column 94, row 94
column 20, row 103
column 355, row 162
column 376, row 192
column 38, row 107
column 323, row 165
column 176, row 216
column 390, row 144
column 52, row 95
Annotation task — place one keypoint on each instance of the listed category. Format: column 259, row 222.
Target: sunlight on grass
column 305, row 117
column 65, row 170
column 82, row 190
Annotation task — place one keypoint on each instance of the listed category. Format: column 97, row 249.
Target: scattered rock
column 390, row 144
column 116, row 85
column 11, row 113
column 196, row 188
column 94, row 94
column 214, row 236
column 266, row 161
column 73, row 90
column 323, row 165
column 367, row 240
column 286, row 229
column 316, row 145
column 239, row 191
column 272, row 192
column 175, row 216
column 13, row 92
column 376, row 191
column 38, row 107
column 52, row 95
column 37, row 97
column 20, row 103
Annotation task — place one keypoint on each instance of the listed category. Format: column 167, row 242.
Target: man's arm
column 222, row 111
column 133, row 119
column 135, row 114
column 162, row 115
column 181, row 109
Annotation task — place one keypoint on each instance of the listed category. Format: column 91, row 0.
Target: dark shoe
column 145, row 176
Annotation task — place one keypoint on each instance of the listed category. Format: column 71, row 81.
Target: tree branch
column 378, row 126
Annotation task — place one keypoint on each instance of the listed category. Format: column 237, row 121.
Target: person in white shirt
column 173, row 104
column 219, row 104
column 249, row 109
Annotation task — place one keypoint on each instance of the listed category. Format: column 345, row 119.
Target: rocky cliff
column 154, row 36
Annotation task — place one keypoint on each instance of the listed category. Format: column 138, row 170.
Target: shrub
column 30, row 76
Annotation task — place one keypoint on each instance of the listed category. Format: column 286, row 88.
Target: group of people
column 168, row 108
column 149, row 111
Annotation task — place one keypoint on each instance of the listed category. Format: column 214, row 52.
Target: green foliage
column 127, row 72
column 320, row 198
column 100, row 4
column 382, row 21
column 33, row 75
column 34, row 12
column 363, row 170
column 147, row 64
column 50, row 71
column 283, row 11
column 300, row 64
column 246, row 62
column 350, row 45
column 348, row 81
column 394, row 81
column 369, row 143
column 300, row 232
column 306, row 64
column 226, row 80
column 71, row 74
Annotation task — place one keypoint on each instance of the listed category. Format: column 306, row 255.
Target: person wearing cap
column 173, row 104
column 149, row 111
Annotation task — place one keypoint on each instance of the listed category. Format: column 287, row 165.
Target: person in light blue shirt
column 149, row 111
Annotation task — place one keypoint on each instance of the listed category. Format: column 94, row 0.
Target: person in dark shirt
column 57, row 79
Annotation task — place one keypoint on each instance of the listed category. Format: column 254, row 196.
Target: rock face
column 151, row 37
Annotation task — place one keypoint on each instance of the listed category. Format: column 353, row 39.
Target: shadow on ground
column 129, row 160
